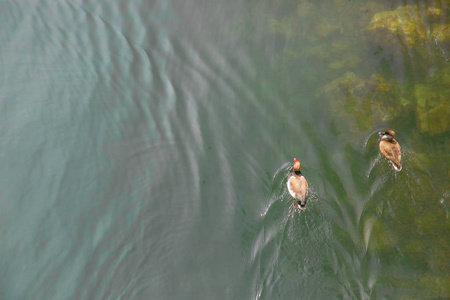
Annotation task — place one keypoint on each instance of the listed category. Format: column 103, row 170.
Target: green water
column 145, row 146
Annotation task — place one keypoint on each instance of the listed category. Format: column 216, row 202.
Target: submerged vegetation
column 372, row 61
column 375, row 65
column 410, row 73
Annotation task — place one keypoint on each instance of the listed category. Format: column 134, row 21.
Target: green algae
column 365, row 99
column 402, row 27
column 432, row 110
column 376, row 63
column 379, row 97
column 441, row 32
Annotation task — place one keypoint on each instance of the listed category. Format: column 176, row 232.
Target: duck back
column 392, row 152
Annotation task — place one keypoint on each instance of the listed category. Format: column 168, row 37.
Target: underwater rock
column 375, row 65
column 378, row 99
column 441, row 32
column 432, row 110
column 368, row 100
column 434, row 14
column 407, row 27
column 401, row 27
column 349, row 94
column 387, row 97
column 441, row 35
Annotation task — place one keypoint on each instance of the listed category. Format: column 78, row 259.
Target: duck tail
column 396, row 167
column 301, row 202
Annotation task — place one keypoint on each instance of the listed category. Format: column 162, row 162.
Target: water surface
column 145, row 148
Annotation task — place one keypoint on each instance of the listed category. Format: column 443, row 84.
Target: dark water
column 145, row 146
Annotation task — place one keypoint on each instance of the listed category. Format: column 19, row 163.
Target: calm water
column 145, row 146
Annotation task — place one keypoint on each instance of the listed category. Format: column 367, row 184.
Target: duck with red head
column 390, row 148
column 297, row 186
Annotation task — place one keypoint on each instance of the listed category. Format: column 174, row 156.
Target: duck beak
column 381, row 133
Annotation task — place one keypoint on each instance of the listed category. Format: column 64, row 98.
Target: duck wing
column 298, row 187
column 393, row 153
column 397, row 157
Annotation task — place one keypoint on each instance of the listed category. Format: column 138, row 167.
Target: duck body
column 391, row 149
column 297, row 186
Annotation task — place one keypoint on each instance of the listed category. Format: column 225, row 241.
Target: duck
column 297, row 186
column 390, row 149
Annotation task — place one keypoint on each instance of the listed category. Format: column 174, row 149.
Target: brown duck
column 297, row 186
column 390, row 148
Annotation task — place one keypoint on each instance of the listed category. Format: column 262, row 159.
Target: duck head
column 387, row 135
column 296, row 165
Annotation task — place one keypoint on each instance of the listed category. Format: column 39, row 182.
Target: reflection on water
column 145, row 149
